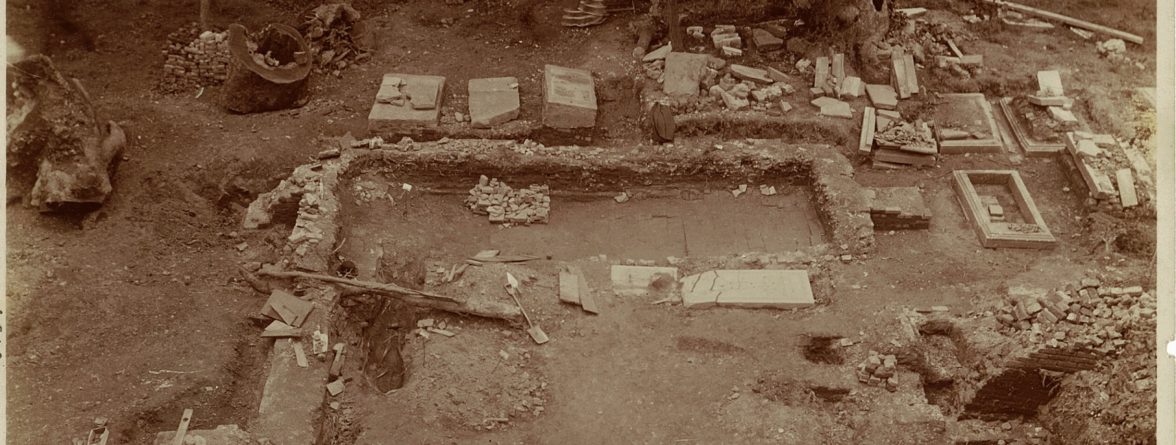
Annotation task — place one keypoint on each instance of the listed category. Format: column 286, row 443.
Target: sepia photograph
column 367, row 222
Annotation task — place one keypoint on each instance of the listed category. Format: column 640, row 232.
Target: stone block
column 1126, row 183
column 833, row 107
column 730, row 51
column 776, row 75
column 569, row 98
column 749, row 73
column 765, row 41
column 1063, row 116
column 658, row 54
column 1051, row 101
column 1049, row 83
column 493, row 101
column 725, row 36
column 639, row 280
column 748, row 289
column 422, row 91
column 852, row 86
column 683, row 72
column 882, row 96
column 221, row 435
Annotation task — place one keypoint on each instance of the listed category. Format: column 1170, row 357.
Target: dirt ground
column 136, row 313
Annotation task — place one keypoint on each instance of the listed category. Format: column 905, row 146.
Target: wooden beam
column 1071, row 21
column 182, row 431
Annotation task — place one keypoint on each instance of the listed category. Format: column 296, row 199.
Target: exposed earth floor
column 138, row 311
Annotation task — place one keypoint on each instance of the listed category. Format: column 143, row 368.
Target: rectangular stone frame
column 991, row 234
column 990, row 145
column 1032, row 148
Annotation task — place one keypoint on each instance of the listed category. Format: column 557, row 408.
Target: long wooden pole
column 1071, row 21
column 486, row 309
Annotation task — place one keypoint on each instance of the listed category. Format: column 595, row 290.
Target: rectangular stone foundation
column 1031, row 235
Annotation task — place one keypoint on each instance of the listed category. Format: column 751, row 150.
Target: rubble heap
column 505, row 205
column 193, row 59
column 879, row 369
column 337, row 35
column 1088, row 315
column 905, row 143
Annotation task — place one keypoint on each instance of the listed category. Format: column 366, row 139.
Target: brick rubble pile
column 193, row 59
column 1087, row 315
column 502, row 204
column 879, row 369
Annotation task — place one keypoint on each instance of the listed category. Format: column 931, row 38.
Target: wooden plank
column 1126, row 187
column 866, row 141
column 839, row 68
column 182, row 431
column 898, row 73
column 300, row 355
column 912, row 76
column 1071, row 21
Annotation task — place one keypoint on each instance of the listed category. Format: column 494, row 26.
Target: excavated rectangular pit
column 679, row 220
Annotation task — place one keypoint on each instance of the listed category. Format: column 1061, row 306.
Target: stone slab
column 838, row 68
column 852, row 86
column 569, row 98
column 221, row 435
column 569, row 287
column 391, row 118
column 1061, row 115
column 776, row 75
column 636, row 280
column 821, row 72
column 1051, row 101
column 1049, row 83
column 493, row 101
column 748, row 73
column 866, row 137
column 658, row 54
column 765, row 41
column 683, row 73
column 1126, row 182
column 882, row 96
column 753, row 289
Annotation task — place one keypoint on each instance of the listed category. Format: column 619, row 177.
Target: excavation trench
column 402, row 217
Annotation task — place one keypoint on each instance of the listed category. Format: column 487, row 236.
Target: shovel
column 536, row 332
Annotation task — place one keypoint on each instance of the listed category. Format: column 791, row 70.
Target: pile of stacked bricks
column 194, row 59
column 879, row 369
column 1089, row 315
column 503, row 204
column 898, row 208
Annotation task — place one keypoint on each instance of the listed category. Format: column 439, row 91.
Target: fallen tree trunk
column 1070, row 21
column 58, row 151
column 485, row 309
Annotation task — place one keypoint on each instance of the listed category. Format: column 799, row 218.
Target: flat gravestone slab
column 776, row 289
column 683, row 72
column 636, row 280
column 412, row 114
column 493, row 101
column 569, row 98
column 222, row 435
column 882, row 96
column 1049, row 83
